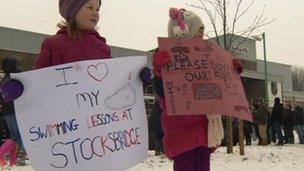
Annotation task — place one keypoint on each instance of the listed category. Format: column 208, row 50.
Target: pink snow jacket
column 182, row 133
column 60, row 48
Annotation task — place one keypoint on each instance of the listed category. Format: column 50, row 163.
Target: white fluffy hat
column 183, row 23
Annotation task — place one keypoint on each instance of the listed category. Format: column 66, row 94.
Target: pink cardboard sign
column 201, row 79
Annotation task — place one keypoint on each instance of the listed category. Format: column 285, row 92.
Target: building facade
column 26, row 45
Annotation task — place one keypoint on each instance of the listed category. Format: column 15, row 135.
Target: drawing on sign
column 130, row 75
column 188, row 105
column 240, row 108
column 98, row 72
column 206, row 49
column 122, row 98
column 184, row 89
column 231, row 88
column 64, row 71
column 206, row 91
column 78, row 68
column 181, row 59
column 92, row 96
column 180, row 53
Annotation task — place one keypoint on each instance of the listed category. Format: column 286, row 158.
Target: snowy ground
column 256, row 158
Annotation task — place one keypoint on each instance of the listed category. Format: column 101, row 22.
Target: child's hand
column 145, row 76
column 160, row 59
column 237, row 65
column 11, row 89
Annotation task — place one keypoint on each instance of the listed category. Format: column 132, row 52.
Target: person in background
column 272, row 131
column 277, row 120
column 156, row 126
column 235, row 131
column 288, row 123
column 10, row 146
column 255, row 124
column 262, row 121
column 299, row 123
column 248, row 128
column 269, row 128
column 4, row 134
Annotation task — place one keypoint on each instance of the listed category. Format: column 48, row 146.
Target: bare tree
column 297, row 74
column 218, row 9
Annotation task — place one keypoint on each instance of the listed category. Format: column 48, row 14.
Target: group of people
column 188, row 140
column 281, row 122
column 276, row 125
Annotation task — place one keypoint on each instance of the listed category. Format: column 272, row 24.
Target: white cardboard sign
column 87, row 115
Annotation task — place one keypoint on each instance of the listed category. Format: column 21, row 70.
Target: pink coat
column 182, row 133
column 60, row 48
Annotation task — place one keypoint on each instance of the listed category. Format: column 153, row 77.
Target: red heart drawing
column 98, row 72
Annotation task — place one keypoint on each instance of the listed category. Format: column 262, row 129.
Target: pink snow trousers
column 197, row 159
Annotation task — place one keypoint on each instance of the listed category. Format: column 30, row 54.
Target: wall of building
column 20, row 40
column 274, row 90
column 277, row 69
column 241, row 47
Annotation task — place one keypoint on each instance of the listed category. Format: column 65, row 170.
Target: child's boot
column 9, row 146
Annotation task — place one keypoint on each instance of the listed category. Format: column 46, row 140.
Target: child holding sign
column 76, row 40
column 189, row 139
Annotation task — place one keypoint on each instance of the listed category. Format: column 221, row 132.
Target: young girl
column 188, row 140
column 76, row 40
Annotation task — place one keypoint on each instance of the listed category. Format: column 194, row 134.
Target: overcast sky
column 136, row 24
